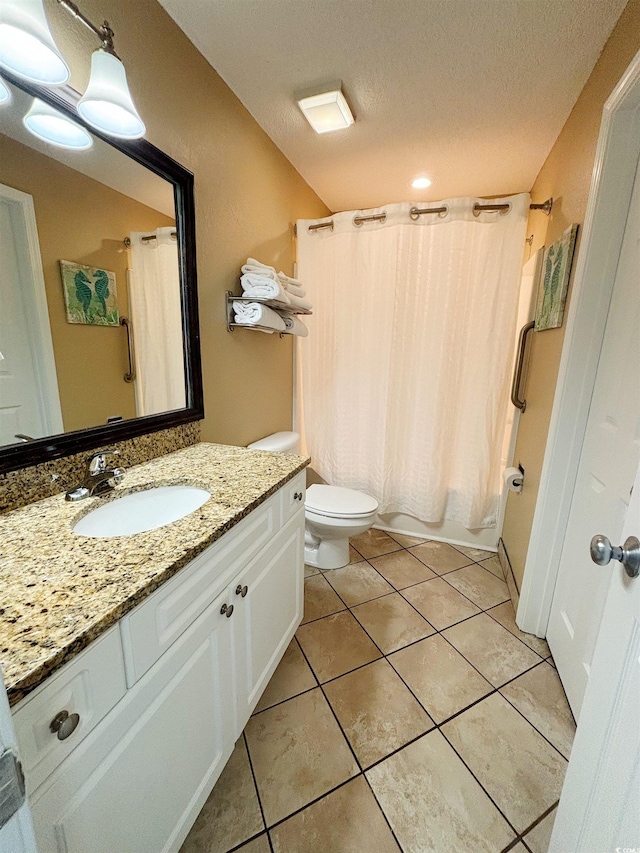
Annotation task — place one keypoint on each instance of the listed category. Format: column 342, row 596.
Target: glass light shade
column 54, row 127
column 27, row 47
column 327, row 111
column 107, row 103
column 5, row 94
column 421, row 183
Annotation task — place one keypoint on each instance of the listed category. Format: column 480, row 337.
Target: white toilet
column 332, row 514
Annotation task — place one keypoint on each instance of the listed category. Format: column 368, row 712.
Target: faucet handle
column 97, row 461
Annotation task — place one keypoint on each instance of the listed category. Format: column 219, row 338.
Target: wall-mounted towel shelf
column 270, row 303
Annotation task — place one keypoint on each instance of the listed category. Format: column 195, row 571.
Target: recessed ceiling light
column 327, row 111
column 421, row 183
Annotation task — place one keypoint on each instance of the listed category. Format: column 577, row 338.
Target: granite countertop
column 60, row 591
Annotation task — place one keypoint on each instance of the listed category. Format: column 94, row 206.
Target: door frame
column 614, row 170
column 38, row 312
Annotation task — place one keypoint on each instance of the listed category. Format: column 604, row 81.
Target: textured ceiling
column 471, row 93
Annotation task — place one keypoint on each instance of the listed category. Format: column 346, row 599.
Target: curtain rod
column 146, row 239
column 415, row 212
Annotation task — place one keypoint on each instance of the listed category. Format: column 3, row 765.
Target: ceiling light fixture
column 327, row 111
column 55, row 127
column 420, row 183
column 27, row 47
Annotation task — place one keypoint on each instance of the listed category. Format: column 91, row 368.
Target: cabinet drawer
column 149, row 630
column 292, row 496
column 89, row 685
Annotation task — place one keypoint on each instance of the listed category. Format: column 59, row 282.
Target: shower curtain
column 156, row 312
column 404, row 378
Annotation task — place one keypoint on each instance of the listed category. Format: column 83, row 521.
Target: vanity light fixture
column 27, row 50
column 327, row 111
column 420, row 183
column 5, row 94
column 107, row 104
column 27, row 47
column 54, row 127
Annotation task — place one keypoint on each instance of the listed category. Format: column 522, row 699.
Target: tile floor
column 408, row 714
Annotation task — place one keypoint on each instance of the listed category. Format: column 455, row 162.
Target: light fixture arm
column 104, row 33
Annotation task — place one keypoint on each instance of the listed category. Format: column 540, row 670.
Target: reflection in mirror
column 90, row 304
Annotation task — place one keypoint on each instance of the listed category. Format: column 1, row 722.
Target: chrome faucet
column 98, row 477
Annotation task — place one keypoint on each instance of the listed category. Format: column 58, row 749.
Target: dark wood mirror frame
column 52, row 447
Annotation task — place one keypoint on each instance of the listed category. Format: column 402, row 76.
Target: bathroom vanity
column 143, row 674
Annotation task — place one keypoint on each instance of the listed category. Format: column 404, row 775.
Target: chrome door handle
column 602, row 552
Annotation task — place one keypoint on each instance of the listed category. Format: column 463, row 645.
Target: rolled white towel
column 255, row 314
column 256, row 285
column 299, row 301
column 295, row 326
column 291, row 284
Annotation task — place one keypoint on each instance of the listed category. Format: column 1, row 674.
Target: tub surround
column 61, row 591
column 28, row 485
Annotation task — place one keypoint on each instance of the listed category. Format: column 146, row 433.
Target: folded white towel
column 295, row 326
column 255, row 314
column 256, row 285
column 291, row 284
column 253, row 266
column 299, row 301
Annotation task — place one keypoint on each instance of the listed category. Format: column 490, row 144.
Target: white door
column 600, row 803
column 29, row 401
column 608, row 464
column 16, row 835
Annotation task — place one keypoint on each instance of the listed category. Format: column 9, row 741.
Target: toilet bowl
column 332, row 514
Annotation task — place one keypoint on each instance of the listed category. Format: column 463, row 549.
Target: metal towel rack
column 131, row 373
column 517, row 375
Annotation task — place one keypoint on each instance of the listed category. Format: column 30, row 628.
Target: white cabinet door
column 268, row 605
column 137, row 782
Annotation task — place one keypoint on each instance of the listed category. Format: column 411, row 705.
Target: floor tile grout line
column 539, row 820
column 523, row 715
column 493, row 607
column 313, row 802
column 384, row 814
column 253, row 776
column 511, row 826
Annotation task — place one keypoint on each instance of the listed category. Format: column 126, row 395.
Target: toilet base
column 328, row 554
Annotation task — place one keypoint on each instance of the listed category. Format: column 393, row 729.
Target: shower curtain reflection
column 156, row 313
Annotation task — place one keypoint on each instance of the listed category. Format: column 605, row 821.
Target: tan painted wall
column 565, row 175
column 247, row 193
column 82, row 221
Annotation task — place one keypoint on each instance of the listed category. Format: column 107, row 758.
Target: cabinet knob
column 227, row 610
column 64, row 724
column 242, row 590
column 298, row 496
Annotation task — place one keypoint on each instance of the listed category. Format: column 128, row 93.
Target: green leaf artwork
column 552, row 290
column 89, row 294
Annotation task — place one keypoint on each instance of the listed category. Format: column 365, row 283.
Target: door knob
column 64, row 724
column 227, row 610
column 602, row 552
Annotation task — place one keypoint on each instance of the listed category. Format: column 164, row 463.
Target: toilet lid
column 337, row 502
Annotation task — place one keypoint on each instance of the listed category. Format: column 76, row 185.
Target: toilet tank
column 278, row 442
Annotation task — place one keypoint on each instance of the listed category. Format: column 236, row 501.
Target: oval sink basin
column 141, row 511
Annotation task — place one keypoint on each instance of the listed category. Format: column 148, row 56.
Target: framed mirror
column 99, row 336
